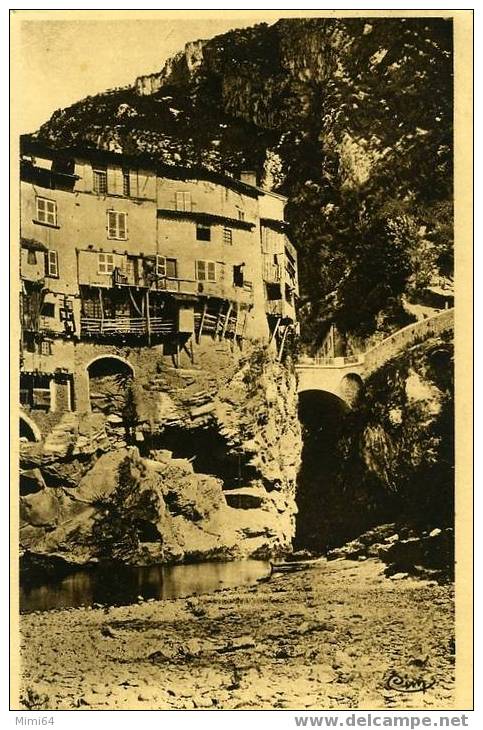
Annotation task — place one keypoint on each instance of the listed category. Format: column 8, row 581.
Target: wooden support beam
column 218, row 320
column 275, row 330
column 242, row 333
column 237, row 315
column 148, row 317
column 227, row 317
column 190, row 351
column 202, row 321
column 102, row 310
column 282, row 344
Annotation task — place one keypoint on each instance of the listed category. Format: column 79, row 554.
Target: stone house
column 123, row 259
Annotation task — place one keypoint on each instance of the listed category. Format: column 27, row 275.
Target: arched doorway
column 28, row 430
column 109, row 377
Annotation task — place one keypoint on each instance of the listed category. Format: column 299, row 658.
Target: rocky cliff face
column 389, row 459
column 206, row 468
column 350, row 119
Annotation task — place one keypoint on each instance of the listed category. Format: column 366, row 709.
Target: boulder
column 31, row 481
column 42, row 509
column 434, row 551
column 101, row 480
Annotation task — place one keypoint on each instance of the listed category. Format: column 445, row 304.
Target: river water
column 122, row 585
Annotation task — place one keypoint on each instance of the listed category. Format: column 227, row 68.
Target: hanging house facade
column 121, row 255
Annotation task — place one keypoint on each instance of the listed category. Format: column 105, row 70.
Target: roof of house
column 33, row 146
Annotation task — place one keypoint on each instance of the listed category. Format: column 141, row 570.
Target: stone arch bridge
column 343, row 376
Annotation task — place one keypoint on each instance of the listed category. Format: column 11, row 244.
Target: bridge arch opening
column 351, row 388
column 322, row 415
column 109, row 376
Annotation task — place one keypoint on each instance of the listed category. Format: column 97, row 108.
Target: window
column 126, row 184
column 227, row 236
column 46, row 348
column 100, row 181
column 48, row 309
column 91, row 308
column 205, row 270
column 31, row 257
column 183, row 201
column 116, row 225
column 47, row 211
column 105, row 263
column 52, row 264
column 238, row 275
column 166, row 267
column 203, row 233
column 274, row 293
column 241, row 215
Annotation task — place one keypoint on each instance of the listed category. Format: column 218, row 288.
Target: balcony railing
column 176, row 285
column 336, row 362
column 280, row 308
column 126, row 326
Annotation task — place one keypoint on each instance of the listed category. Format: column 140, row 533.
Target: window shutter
column 122, row 230
column 211, row 271
column 126, row 186
column 50, row 205
column 200, row 270
column 171, row 268
column 160, row 266
column 111, row 224
column 52, row 264
column 41, row 209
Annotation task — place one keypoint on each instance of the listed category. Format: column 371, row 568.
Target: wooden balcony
column 272, row 272
column 280, row 308
column 124, row 325
column 188, row 287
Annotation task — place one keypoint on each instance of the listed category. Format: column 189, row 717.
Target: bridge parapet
column 314, row 376
column 330, row 374
column 405, row 337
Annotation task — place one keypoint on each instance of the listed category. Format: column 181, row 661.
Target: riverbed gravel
column 341, row 636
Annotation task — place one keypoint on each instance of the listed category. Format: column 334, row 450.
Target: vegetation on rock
column 351, row 118
column 388, row 459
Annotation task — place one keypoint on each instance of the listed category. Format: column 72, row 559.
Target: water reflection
column 120, row 585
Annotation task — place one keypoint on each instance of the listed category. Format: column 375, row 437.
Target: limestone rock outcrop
column 208, row 471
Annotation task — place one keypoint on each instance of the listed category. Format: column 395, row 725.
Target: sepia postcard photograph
column 240, row 288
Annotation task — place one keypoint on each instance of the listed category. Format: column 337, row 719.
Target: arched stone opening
column 318, row 524
column 351, row 388
column 109, row 377
column 28, row 430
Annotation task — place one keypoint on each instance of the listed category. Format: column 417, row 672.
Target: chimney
column 249, row 177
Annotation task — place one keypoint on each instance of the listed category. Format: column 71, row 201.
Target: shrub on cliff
column 125, row 514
